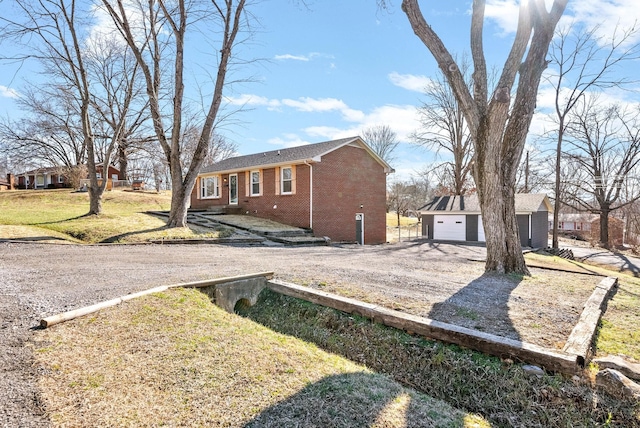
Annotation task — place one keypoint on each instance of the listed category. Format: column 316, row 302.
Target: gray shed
column 458, row 218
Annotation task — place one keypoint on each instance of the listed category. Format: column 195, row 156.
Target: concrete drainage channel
column 245, row 289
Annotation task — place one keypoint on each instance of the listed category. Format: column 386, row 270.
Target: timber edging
column 581, row 337
column 551, row 360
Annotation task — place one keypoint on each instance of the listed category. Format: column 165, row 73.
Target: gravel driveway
column 38, row 280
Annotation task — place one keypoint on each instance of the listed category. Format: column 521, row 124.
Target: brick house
column 52, row 177
column 330, row 187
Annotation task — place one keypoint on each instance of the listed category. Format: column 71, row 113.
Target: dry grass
column 60, row 214
column 618, row 333
column 174, row 359
column 497, row 389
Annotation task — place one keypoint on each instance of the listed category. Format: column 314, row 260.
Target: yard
column 175, row 359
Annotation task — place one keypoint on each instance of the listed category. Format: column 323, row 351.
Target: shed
column 458, row 218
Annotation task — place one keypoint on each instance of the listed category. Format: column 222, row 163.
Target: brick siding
column 344, row 180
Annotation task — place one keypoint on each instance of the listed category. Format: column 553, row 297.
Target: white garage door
column 481, row 237
column 449, row 227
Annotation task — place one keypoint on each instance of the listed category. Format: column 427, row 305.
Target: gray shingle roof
column 525, row 203
column 282, row 156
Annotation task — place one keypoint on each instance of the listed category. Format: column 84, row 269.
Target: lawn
column 54, row 215
column 175, row 359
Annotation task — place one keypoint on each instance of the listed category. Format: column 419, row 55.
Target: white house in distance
column 458, row 218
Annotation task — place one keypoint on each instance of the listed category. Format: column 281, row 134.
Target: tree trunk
column 123, row 162
column 604, row 227
column 495, row 182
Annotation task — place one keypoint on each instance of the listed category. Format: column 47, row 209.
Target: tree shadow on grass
column 483, row 305
column 60, row 221
column 357, row 399
column 116, row 238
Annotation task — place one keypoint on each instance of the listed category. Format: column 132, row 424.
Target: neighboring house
column 52, row 177
column 330, row 187
column 41, row 178
column 587, row 227
column 9, row 184
column 458, row 218
column 570, row 223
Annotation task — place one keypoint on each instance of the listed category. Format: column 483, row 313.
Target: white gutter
column 310, row 194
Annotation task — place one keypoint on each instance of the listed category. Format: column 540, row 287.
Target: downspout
column 310, row 194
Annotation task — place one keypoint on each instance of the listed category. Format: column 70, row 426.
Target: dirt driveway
column 440, row 281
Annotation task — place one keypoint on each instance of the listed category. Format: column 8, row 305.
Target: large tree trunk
column 495, row 182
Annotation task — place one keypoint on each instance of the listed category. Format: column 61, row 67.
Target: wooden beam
column 581, row 337
column 552, row 360
column 69, row 315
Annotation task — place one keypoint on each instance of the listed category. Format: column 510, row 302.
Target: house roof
column 309, row 153
column 524, row 202
column 43, row 170
column 56, row 170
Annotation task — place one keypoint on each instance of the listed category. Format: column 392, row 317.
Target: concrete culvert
column 242, row 305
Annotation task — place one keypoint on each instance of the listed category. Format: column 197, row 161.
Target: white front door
column 449, row 227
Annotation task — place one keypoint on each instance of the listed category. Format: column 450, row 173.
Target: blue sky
column 338, row 66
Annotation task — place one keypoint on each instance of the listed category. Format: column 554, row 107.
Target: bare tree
column 604, row 143
column 498, row 125
column 444, row 129
column 119, row 100
column 56, row 32
column 219, row 147
column 534, row 172
column 158, row 44
column 581, row 62
column 405, row 197
column 50, row 134
column 382, row 140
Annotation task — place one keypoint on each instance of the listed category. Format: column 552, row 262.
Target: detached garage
column 458, row 218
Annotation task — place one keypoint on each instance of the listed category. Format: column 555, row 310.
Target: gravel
column 38, row 280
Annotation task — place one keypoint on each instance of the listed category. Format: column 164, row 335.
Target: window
column 286, row 180
column 255, row 183
column 210, row 187
column 60, row 178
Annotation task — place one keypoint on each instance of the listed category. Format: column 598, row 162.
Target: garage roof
column 526, row 203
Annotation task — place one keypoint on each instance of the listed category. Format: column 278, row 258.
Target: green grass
column 498, row 390
column 618, row 333
column 175, row 359
column 60, row 215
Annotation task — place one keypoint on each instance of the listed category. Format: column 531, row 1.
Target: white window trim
column 203, row 187
column 251, row 183
column 282, row 180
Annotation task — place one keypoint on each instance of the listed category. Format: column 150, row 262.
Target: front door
column 233, row 189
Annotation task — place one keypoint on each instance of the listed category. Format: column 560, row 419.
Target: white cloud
column 610, row 17
column 504, row 13
column 607, row 15
column 293, row 57
column 308, row 57
column 410, row 81
column 288, row 140
column 250, row 100
column 324, row 105
column 8, row 92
